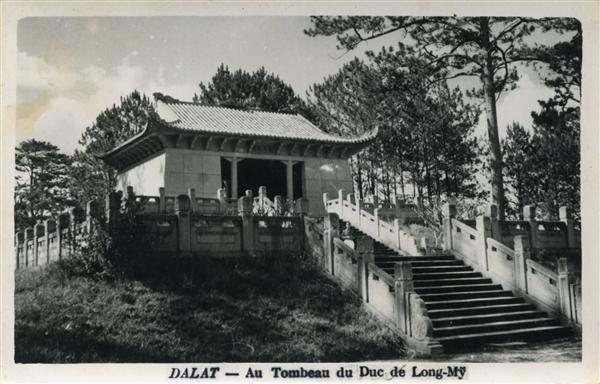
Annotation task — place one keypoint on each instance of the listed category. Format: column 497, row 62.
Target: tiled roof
column 220, row 120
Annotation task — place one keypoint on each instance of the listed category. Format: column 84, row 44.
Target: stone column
column 529, row 216
column 245, row 211
column 28, row 254
column 289, row 178
column 341, row 201
column 182, row 210
column 403, row 286
column 484, row 230
column 366, row 255
column 522, row 253
column 234, row 177
column 449, row 212
column 566, row 217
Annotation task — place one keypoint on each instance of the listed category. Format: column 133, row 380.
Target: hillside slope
column 273, row 309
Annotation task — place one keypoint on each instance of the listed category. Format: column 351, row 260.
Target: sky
column 69, row 69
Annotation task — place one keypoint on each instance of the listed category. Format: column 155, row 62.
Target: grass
column 273, row 309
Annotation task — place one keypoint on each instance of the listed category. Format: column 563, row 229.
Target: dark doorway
column 253, row 173
column 298, row 176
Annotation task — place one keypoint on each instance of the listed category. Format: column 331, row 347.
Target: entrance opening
column 253, row 173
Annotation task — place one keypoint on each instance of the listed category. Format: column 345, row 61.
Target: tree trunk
column 495, row 155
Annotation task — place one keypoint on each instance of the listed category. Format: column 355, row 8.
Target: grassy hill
column 272, row 309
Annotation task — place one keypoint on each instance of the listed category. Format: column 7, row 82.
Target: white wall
column 145, row 178
column 325, row 176
column 187, row 168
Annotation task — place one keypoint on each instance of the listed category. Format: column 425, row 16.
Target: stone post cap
column 529, row 212
column 302, row 205
column 161, row 191
column 491, row 211
column 565, row 213
column 248, row 193
column 192, row 192
column 130, row 191
column 29, row 233
column 245, row 204
column 562, row 265
column 222, row 193
column 449, row 209
column 182, row 203
column 20, row 236
column 262, row 191
column 403, row 271
column 325, row 199
column 521, row 242
column 50, row 224
column 341, row 194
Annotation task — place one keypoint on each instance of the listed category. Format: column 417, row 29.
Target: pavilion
column 203, row 147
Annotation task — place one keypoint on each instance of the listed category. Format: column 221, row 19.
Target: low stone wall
column 172, row 226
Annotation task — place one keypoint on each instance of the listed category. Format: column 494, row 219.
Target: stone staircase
column 467, row 309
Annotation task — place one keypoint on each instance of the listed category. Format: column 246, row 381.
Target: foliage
column 92, row 178
column 425, row 139
column 42, row 174
column 257, row 90
column 483, row 47
column 544, row 168
column 255, row 310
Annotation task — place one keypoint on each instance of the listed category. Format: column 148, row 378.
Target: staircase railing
column 505, row 252
column 391, row 297
column 373, row 225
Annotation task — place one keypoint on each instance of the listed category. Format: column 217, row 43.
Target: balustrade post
column 130, row 193
column 182, row 210
column 350, row 198
column 376, row 214
column 49, row 226
column 566, row 216
column 19, row 238
column 222, row 196
column 63, row 222
column 278, row 206
column 398, row 230
column 72, row 230
column 28, row 254
column 484, row 230
column 366, row 255
column 301, row 206
column 113, row 206
column 403, row 287
column 38, row 233
column 91, row 213
column 565, row 278
column 358, row 210
column 325, row 206
column 193, row 201
column 529, row 216
column 245, row 211
column 491, row 211
column 162, row 200
column 341, row 202
column 522, row 253
column 331, row 230
column 449, row 212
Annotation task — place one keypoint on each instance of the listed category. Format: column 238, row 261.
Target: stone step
column 466, row 303
column 509, row 325
column 459, row 288
column 456, row 281
column 446, row 275
column 427, row 264
column 442, row 269
column 479, row 310
column 399, row 258
column 470, row 341
column 445, row 296
column 486, row 318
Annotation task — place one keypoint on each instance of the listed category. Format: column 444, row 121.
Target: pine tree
column 41, row 180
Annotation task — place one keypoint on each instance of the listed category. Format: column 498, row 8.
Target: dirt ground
column 565, row 350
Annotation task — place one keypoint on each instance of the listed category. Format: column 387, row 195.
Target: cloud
column 56, row 104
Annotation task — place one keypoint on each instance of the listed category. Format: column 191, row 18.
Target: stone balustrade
column 392, row 298
column 509, row 253
column 382, row 224
column 184, row 225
